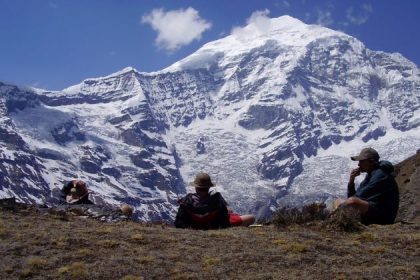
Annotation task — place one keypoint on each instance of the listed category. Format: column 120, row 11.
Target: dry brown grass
column 36, row 245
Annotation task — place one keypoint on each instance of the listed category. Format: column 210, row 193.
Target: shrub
column 287, row 216
column 345, row 219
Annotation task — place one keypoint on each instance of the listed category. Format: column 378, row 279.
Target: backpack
column 209, row 214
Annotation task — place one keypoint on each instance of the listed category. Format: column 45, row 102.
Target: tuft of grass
column 108, row 243
column 310, row 242
column 367, row 237
column 26, row 272
column 218, row 233
column 76, row 270
column 280, row 242
column 104, row 230
column 209, row 261
column 415, row 236
column 132, row 277
column 83, row 252
column 378, row 250
column 296, row 248
column 401, row 269
column 341, row 276
column 34, row 266
column 137, row 237
column 26, row 225
column 37, row 263
column 9, row 269
column 3, row 232
column 60, row 242
column 146, row 259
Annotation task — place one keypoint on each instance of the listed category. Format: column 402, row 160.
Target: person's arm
column 182, row 219
column 224, row 213
column 351, row 190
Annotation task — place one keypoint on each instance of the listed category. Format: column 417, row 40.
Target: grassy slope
column 38, row 245
column 45, row 246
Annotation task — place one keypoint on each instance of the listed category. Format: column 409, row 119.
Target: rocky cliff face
column 259, row 111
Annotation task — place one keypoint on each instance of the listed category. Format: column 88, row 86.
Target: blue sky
column 53, row 44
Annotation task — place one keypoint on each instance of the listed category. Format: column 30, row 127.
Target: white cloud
column 359, row 16
column 53, row 5
column 176, row 28
column 257, row 23
column 260, row 19
column 324, row 18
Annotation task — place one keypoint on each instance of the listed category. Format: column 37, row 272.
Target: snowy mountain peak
column 128, row 71
column 284, row 31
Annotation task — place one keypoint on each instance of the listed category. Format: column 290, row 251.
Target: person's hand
column 354, row 173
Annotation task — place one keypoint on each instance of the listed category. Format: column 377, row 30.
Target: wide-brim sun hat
column 366, row 153
column 202, row 180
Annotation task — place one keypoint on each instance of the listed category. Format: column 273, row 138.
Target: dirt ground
column 40, row 245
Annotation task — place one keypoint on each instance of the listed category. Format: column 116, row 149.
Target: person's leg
column 241, row 220
column 247, row 220
column 357, row 203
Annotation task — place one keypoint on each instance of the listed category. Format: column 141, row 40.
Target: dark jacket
column 209, row 213
column 380, row 190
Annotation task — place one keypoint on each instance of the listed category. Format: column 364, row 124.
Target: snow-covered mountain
column 271, row 112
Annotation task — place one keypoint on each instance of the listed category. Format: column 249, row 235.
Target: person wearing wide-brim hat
column 202, row 181
column 205, row 210
column 377, row 197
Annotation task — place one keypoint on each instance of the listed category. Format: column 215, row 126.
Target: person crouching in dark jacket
column 377, row 197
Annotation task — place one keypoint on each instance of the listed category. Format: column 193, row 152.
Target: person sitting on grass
column 75, row 192
column 205, row 210
column 75, row 195
column 377, row 197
